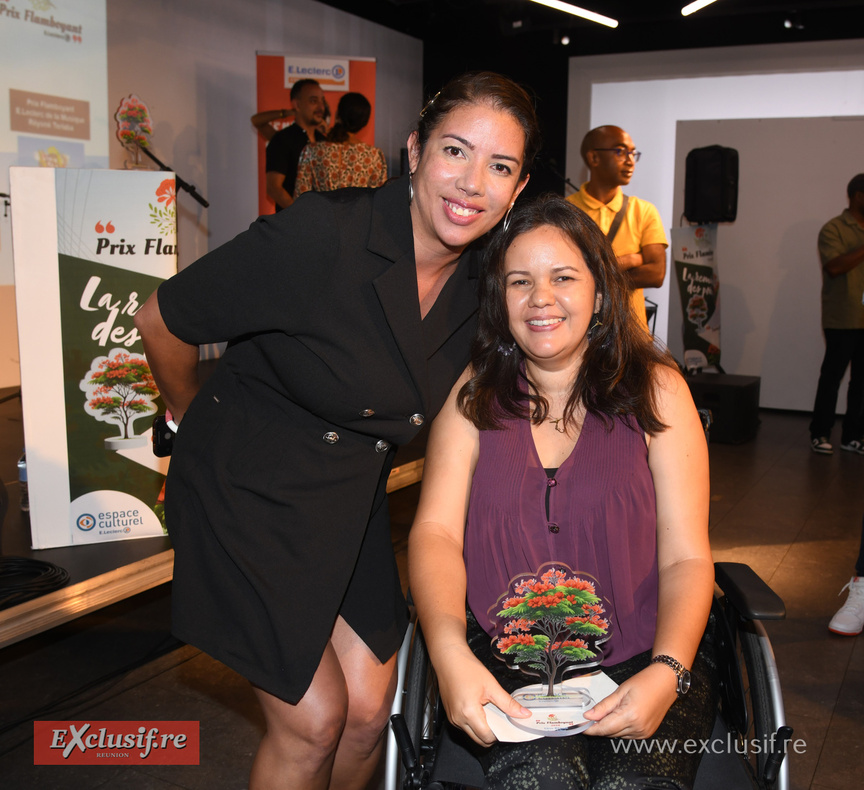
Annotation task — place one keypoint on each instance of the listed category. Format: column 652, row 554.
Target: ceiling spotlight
column 794, row 22
column 692, row 8
column 565, row 40
column 567, row 8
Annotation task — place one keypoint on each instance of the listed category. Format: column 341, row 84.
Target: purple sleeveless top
column 602, row 522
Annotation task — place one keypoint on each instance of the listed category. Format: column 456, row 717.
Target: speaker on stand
column 711, row 184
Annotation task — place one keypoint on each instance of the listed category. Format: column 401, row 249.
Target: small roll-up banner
column 693, row 250
column 89, row 247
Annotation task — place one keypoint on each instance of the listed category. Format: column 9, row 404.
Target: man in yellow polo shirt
column 639, row 239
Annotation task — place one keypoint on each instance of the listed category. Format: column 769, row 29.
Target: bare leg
column 371, row 686
column 299, row 748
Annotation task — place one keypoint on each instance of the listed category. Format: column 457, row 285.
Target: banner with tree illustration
column 53, row 113
column 89, row 247
column 693, row 250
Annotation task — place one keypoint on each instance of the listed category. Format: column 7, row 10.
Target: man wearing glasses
column 632, row 225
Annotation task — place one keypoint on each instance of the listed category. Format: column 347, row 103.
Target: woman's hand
column 637, row 706
column 466, row 686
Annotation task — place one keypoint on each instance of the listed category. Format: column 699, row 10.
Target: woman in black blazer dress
column 348, row 318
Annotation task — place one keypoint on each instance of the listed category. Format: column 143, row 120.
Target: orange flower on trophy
column 579, row 584
column 511, row 641
column 517, row 625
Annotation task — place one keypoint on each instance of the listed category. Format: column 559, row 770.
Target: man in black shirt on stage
column 284, row 149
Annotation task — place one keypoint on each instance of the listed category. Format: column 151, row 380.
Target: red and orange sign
column 116, row 743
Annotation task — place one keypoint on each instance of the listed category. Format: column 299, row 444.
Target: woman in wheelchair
column 572, row 439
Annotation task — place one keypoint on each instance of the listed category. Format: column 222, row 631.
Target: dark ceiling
column 522, row 39
column 643, row 26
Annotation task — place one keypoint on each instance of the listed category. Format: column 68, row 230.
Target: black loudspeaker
column 733, row 401
column 711, row 184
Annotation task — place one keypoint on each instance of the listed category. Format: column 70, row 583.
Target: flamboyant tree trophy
column 552, row 626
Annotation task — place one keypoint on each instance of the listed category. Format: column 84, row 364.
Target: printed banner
column 332, row 74
column 53, row 113
column 696, row 272
column 336, row 75
column 90, row 247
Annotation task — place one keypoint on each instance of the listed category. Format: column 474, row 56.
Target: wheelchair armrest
column 753, row 599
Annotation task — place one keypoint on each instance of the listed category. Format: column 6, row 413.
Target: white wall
column 793, row 177
column 193, row 62
column 648, row 93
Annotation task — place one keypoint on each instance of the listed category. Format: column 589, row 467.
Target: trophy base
column 513, row 730
column 553, row 716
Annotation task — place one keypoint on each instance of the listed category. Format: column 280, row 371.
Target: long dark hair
column 479, row 87
column 352, row 114
column 616, row 374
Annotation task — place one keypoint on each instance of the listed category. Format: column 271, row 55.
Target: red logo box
column 116, row 743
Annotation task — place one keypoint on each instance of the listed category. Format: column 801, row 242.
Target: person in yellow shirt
column 632, row 225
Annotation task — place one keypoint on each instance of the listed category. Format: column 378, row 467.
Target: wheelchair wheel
column 420, row 695
column 422, row 713
column 764, row 701
column 752, row 705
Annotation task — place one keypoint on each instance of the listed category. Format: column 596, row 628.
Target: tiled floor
column 793, row 516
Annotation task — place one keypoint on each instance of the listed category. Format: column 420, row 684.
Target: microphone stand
column 190, row 188
column 552, row 165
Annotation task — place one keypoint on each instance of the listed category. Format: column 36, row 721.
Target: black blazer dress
column 276, row 492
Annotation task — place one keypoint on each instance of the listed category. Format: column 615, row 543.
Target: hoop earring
column 507, row 219
column 410, row 188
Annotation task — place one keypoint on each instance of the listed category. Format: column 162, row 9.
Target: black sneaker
column 855, row 446
column 820, row 444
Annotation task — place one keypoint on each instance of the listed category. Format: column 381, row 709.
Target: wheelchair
column 424, row 751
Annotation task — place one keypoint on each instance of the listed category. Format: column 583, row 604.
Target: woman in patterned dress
column 344, row 160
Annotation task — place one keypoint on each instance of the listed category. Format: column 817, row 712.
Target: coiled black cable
column 22, row 579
